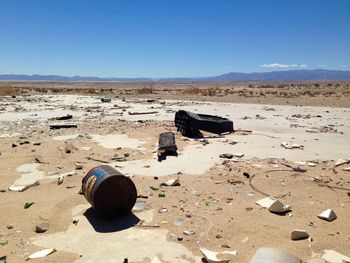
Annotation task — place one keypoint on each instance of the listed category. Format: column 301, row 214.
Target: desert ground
column 213, row 207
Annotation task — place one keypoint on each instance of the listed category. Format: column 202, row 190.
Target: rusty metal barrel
column 108, row 191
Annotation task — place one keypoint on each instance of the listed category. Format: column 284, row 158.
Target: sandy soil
column 215, row 199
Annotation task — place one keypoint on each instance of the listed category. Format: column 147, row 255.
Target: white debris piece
column 287, row 145
column 172, row 182
column 341, row 162
column 328, row 215
column 42, row 253
column 273, row 255
column 332, row 256
column 299, row 234
column 347, row 169
column 60, row 179
column 212, row 256
column 238, row 155
column 311, row 164
column 22, row 187
column 273, row 205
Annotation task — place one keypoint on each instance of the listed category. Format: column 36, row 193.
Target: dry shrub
column 192, row 90
column 145, row 90
column 8, row 90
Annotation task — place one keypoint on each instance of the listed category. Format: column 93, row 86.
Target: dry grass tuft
column 8, row 90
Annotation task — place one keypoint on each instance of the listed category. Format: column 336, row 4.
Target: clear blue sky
column 172, row 38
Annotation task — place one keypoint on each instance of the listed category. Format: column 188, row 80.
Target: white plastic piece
column 332, row 256
column 328, row 215
column 273, row 205
column 212, row 256
column 42, row 253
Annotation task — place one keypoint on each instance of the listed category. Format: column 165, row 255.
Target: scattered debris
column 103, row 187
column 341, row 162
column 189, row 232
column 166, row 144
column 42, row 253
column 42, row 228
column 63, row 126
column 65, row 117
column 171, row 182
column 27, row 205
column 299, row 234
column 60, row 179
column 286, row 145
column 106, row 99
column 328, row 215
column 273, row 205
column 214, row 257
column 142, row 113
column 273, row 255
column 226, row 155
column 332, row 256
column 190, row 124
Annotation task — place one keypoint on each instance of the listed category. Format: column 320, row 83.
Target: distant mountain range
column 286, row 75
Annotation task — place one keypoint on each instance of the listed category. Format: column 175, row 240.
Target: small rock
column 36, row 143
column 14, row 145
column 299, row 234
column 328, row 215
column 180, row 238
column 218, row 236
column 225, row 246
column 42, row 228
column 9, row 226
column 3, row 241
column 78, row 166
column 60, row 180
column 75, row 221
column 226, row 155
column 2, row 190
column 126, row 155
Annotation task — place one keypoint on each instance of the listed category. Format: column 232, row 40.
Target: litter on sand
column 341, row 162
column 172, row 182
column 328, row 215
column 42, row 253
column 273, row 255
column 287, row 145
column 332, row 256
column 216, row 257
column 273, row 205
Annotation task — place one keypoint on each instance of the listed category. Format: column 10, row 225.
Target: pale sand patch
column 112, row 141
column 65, row 137
column 136, row 244
column 30, row 175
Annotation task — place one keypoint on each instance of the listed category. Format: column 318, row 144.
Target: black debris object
column 190, row 124
column 63, row 126
column 106, row 99
column 65, row 117
column 166, row 145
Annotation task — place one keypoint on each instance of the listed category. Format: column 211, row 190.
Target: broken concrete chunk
column 42, row 253
column 273, row 205
column 216, row 257
column 332, row 256
column 273, row 255
column 328, row 215
column 299, row 234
